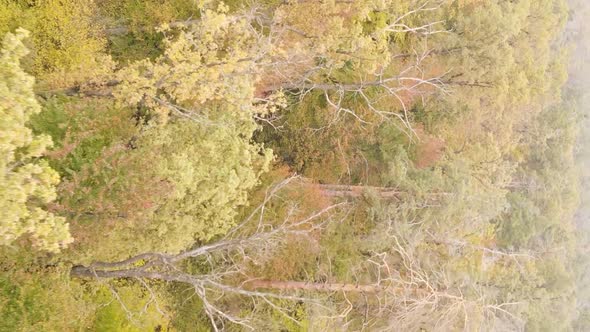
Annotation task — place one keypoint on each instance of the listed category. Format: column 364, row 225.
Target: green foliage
column 197, row 153
column 307, row 144
column 486, row 183
column 129, row 47
column 206, row 192
column 38, row 296
column 141, row 19
column 66, row 42
column 182, row 182
column 216, row 50
column 322, row 144
column 545, row 190
column 188, row 310
column 33, row 305
column 508, row 43
column 81, row 129
column 142, row 16
column 285, row 321
column 27, row 183
column 128, row 307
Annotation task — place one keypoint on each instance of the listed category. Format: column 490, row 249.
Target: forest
column 294, row 165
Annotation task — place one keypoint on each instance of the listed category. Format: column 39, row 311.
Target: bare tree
column 391, row 288
column 288, row 59
column 228, row 260
column 380, row 94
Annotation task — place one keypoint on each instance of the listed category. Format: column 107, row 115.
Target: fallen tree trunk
column 313, row 286
column 336, row 190
column 355, row 191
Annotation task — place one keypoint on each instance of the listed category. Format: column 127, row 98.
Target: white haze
column 578, row 91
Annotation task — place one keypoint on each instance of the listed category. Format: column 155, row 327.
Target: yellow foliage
column 67, row 45
column 26, row 184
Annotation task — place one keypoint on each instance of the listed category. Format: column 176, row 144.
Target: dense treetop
column 301, row 165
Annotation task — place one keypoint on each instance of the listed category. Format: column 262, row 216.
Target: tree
column 196, row 107
column 344, row 54
column 27, row 183
column 392, row 286
column 448, row 244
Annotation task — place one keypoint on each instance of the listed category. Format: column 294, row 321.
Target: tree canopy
column 28, row 184
column 302, row 165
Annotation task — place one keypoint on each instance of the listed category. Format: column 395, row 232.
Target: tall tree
column 393, row 285
column 27, row 183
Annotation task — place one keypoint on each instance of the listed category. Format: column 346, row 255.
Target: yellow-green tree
column 67, row 44
column 198, row 102
column 26, row 183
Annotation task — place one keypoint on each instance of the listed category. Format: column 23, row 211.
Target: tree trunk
column 337, row 190
column 312, row 286
column 355, row 191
